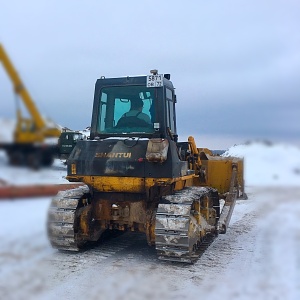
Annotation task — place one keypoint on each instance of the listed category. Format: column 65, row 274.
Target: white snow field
column 258, row 257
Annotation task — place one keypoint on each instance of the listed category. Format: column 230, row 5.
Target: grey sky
column 235, row 64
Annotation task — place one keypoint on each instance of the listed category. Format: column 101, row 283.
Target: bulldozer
column 136, row 176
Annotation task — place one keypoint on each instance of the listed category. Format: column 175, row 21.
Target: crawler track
column 62, row 219
column 182, row 233
column 186, row 222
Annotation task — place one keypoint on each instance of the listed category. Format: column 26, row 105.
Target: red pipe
column 26, row 191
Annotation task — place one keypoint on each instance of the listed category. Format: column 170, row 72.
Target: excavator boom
column 29, row 146
column 20, row 89
column 41, row 129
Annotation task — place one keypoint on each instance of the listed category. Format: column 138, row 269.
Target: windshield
column 126, row 109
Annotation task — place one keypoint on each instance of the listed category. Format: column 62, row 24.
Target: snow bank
column 269, row 164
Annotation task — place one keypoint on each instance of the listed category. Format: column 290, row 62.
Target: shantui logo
column 113, row 155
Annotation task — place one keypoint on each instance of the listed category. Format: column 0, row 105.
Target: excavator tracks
column 62, row 219
column 181, row 234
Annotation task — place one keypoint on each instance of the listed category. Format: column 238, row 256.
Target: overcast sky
column 235, row 63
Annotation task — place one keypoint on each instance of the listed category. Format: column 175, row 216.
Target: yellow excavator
column 138, row 177
column 29, row 146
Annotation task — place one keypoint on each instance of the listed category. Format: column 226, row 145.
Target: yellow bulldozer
column 138, row 177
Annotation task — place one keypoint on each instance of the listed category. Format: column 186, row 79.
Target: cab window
column 126, row 109
column 170, row 109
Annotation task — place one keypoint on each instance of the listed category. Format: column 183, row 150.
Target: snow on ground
column 258, row 257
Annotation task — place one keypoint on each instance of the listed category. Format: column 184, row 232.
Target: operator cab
column 133, row 131
column 142, row 106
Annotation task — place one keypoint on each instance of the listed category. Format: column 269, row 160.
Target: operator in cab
column 135, row 114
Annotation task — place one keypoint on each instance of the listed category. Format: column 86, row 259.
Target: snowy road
column 258, row 258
